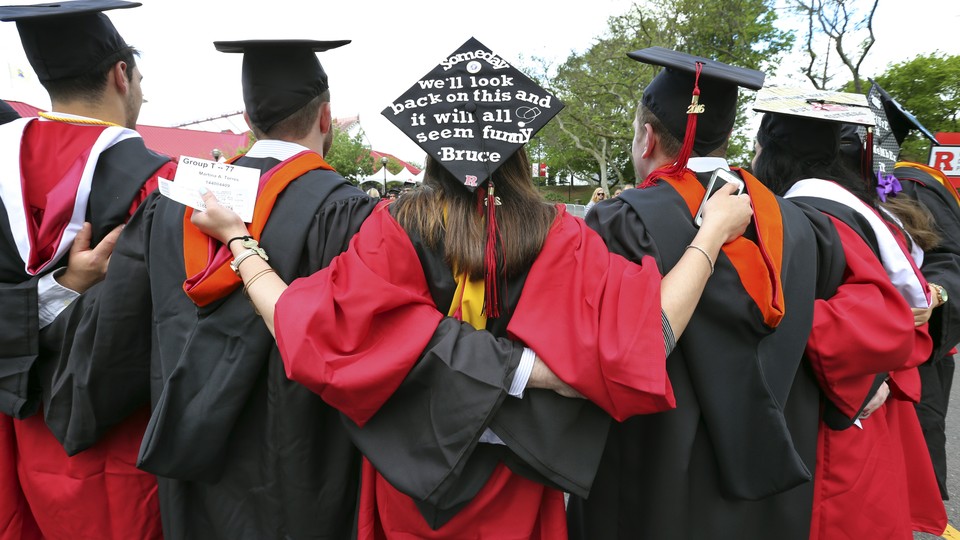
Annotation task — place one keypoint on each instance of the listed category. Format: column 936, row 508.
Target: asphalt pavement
column 953, row 457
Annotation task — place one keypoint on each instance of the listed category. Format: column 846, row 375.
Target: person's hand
column 727, row 213
column 542, row 376
column 877, row 401
column 87, row 266
column 218, row 221
column 921, row 315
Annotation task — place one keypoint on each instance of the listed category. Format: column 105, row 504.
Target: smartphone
column 720, row 178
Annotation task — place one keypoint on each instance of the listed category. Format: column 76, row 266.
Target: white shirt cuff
column 52, row 298
column 520, row 378
column 522, row 374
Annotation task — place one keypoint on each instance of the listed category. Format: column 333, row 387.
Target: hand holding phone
column 720, row 178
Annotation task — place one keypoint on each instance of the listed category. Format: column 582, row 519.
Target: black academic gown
column 121, row 172
column 941, row 265
column 240, row 451
column 735, row 459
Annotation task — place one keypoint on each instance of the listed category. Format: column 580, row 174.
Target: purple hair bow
column 887, row 184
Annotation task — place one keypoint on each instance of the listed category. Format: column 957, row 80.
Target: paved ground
column 953, row 458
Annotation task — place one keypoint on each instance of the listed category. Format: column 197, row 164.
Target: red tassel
column 689, row 136
column 491, row 305
column 866, row 163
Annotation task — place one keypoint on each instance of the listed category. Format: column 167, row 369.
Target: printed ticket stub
column 234, row 186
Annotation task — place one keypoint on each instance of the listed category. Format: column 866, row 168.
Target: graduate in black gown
column 69, row 178
column 240, row 451
column 736, row 457
column 941, row 260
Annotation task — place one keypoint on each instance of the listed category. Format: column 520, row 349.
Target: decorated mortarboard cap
column 472, row 112
column 893, row 123
column 668, row 96
column 67, row 39
column 899, row 119
column 279, row 76
column 7, row 114
column 809, row 121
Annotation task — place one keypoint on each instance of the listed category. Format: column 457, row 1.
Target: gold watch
column 942, row 295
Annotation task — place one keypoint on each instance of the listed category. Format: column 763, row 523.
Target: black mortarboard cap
column 279, row 76
column 893, row 123
column 808, row 122
column 901, row 121
column 668, row 96
column 7, row 114
column 472, row 112
column 67, row 39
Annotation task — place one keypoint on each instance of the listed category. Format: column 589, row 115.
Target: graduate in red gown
column 461, row 330
column 69, row 179
column 874, row 478
column 916, row 185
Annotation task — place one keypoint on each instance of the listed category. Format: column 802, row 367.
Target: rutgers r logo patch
column 470, row 181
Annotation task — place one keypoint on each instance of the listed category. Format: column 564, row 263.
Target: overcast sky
column 394, row 43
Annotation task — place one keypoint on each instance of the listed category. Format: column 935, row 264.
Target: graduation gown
column 240, row 451
column 737, row 456
column 941, row 265
column 72, row 173
column 419, row 389
column 874, row 480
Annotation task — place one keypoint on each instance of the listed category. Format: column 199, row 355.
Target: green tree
column 601, row 86
column 928, row 87
column 349, row 155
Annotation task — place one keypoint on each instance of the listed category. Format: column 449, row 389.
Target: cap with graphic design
column 472, row 112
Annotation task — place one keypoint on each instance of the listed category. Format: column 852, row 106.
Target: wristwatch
column 941, row 293
column 252, row 248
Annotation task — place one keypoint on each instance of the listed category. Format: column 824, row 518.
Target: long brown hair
column 916, row 220
column 524, row 218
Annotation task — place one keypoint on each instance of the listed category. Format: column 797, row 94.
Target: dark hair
column 90, row 86
column 779, row 170
column 297, row 125
column 670, row 145
column 524, row 218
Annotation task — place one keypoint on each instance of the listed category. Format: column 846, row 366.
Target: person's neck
column 98, row 111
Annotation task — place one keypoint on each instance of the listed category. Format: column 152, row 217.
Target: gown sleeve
column 849, row 343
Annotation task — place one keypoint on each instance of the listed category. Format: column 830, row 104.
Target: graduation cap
column 893, row 123
column 67, row 39
column 279, row 76
column 7, row 114
column 472, row 112
column 900, row 121
column 696, row 100
column 808, row 121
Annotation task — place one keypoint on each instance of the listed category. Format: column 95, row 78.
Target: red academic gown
column 602, row 336
column 874, row 482
column 99, row 493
